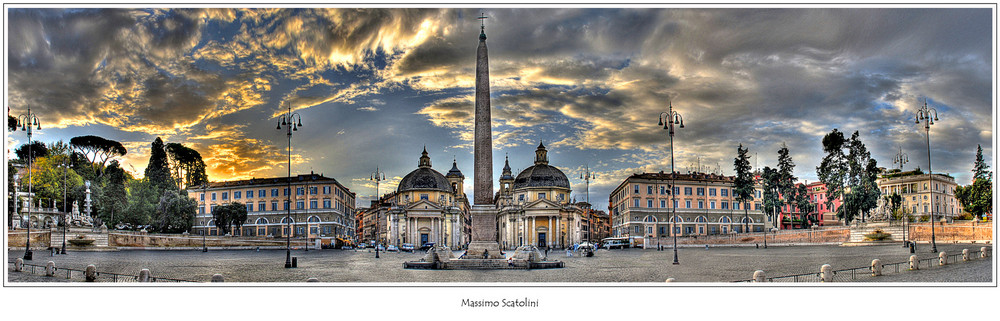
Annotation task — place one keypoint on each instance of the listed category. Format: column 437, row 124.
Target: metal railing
column 80, row 275
column 865, row 272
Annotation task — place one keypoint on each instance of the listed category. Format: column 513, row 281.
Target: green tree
column 786, row 177
column 98, row 150
column 188, row 167
column 111, row 194
column 803, row 204
column 143, row 197
column 175, row 212
column 38, row 149
column 977, row 198
column 47, row 179
column 158, row 169
column 228, row 215
column 12, row 123
column 771, row 197
column 849, row 177
column 743, row 183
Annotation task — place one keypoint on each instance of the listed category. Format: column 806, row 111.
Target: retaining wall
column 952, row 232
column 40, row 239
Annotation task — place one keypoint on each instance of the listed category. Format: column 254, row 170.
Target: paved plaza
column 721, row 264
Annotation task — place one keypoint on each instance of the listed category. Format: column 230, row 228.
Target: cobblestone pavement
column 722, row 264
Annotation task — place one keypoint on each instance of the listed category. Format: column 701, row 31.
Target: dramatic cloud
column 373, row 85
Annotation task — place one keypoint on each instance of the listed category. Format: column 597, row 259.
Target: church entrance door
column 541, row 240
column 423, row 239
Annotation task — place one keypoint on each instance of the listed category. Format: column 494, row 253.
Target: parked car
column 379, row 247
column 392, row 248
column 406, row 247
column 427, row 246
column 346, row 247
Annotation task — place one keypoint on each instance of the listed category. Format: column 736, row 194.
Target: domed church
column 534, row 208
column 429, row 207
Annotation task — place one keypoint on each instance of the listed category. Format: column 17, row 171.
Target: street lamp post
column 204, row 230
column 291, row 121
column 668, row 119
column 928, row 116
column 377, row 176
column 65, row 168
column 27, row 120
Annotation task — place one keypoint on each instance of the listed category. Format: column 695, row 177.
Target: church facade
column 534, row 208
column 428, row 207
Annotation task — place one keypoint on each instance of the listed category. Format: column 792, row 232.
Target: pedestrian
column 510, row 261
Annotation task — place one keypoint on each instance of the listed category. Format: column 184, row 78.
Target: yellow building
column 641, row 206
column 919, row 191
column 320, row 207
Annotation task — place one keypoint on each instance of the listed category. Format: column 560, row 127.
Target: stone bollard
column 943, row 258
column 914, row 263
column 670, row 280
column 50, row 268
column 982, row 252
column 144, row 275
column 758, row 276
column 218, row 278
column 876, row 267
column 91, row 273
column 19, row 265
column 826, row 273
column 965, row 255
column 312, row 280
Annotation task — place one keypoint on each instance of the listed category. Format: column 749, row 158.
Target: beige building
column 919, row 191
column 534, row 207
column 320, row 207
column 426, row 207
column 641, row 206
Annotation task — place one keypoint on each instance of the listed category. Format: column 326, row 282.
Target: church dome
column 424, row 178
column 541, row 174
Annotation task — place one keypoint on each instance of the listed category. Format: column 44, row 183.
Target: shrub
column 878, row 235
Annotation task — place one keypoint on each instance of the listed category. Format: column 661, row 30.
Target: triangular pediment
column 423, row 205
column 542, row 203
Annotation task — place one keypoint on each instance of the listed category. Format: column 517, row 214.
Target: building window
column 663, row 230
column 249, row 207
column 213, row 196
column 213, row 208
column 261, row 206
column 649, row 203
column 663, row 190
column 313, row 203
column 687, row 191
column 636, row 202
column 202, row 197
column 701, row 204
column 541, row 196
column 559, row 197
column 663, row 203
column 326, row 189
column 520, row 197
column 274, row 205
column 756, row 206
column 274, row 192
column 687, row 204
column 636, row 186
column 711, row 205
column 424, row 197
column 236, row 195
column 225, row 196
column 201, row 209
column 326, row 203
column 287, row 191
column 677, row 190
column 724, row 192
column 711, row 192
column 637, row 230
column 701, row 191
column 736, row 205
column 725, row 205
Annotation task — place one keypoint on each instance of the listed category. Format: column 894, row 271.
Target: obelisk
column 484, row 215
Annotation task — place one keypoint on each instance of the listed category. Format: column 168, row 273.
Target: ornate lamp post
column 27, row 120
column 928, row 116
column 900, row 159
column 291, row 121
column 377, row 176
column 204, row 231
column 668, row 119
column 65, row 167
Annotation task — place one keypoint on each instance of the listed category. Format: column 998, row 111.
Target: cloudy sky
column 373, row 86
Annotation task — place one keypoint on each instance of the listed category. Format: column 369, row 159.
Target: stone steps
column 858, row 234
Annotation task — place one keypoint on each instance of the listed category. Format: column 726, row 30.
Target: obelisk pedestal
column 484, row 233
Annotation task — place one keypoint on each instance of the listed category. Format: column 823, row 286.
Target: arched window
column 261, row 221
column 744, row 220
column 679, row 219
column 649, row 219
column 701, row 219
column 210, row 223
column 287, row 220
column 314, row 219
column 725, row 219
